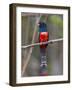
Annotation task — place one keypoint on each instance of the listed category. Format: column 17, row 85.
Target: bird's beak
column 38, row 24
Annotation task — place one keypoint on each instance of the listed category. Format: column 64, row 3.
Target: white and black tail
column 43, row 62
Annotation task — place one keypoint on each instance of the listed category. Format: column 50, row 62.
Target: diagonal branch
column 27, row 32
column 31, row 49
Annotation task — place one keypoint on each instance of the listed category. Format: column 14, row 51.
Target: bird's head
column 42, row 27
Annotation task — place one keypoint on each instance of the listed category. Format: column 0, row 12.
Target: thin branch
column 50, row 41
column 45, row 18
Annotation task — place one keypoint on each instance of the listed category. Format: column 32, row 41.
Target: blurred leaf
column 56, row 20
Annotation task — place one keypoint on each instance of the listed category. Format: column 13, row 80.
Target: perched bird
column 43, row 37
column 43, row 34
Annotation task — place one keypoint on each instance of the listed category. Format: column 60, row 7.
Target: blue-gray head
column 42, row 27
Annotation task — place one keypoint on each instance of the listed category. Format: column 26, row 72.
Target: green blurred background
column 54, row 51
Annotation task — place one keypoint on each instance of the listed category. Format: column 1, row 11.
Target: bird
column 43, row 37
column 43, row 34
